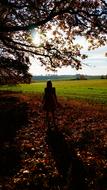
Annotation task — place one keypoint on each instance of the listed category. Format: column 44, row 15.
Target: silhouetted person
column 50, row 101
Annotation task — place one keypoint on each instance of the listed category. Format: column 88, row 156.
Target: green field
column 91, row 90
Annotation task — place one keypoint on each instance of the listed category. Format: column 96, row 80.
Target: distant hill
column 63, row 77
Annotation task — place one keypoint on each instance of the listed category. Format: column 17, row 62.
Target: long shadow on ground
column 12, row 117
column 68, row 164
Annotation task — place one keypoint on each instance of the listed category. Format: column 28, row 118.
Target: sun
column 36, row 37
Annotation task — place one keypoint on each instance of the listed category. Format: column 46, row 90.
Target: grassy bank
column 91, row 90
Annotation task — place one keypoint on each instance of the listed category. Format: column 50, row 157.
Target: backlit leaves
column 63, row 19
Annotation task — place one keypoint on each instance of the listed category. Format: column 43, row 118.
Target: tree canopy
column 13, row 71
column 58, row 22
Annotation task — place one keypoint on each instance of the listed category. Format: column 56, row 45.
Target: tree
column 102, row 77
column 14, row 70
column 58, row 23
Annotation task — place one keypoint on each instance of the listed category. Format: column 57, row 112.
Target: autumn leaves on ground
column 71, row 156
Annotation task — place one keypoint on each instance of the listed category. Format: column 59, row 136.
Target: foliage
column 58, row 22
column 14, row 70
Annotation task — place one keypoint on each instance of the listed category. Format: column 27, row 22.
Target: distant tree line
column 64, row 77
column 103, row 76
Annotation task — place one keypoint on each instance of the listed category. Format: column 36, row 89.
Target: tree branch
column 104, row 2
column 23, row 49
column 31, row 26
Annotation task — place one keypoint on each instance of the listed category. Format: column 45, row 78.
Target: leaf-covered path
column 72, row 155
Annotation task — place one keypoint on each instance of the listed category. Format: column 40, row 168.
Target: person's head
column 49, row 84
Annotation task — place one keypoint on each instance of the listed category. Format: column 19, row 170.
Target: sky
column 95, row 64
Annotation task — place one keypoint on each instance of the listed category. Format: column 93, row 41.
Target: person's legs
column 50, row 118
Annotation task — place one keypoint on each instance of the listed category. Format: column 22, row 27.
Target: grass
column 91, row 90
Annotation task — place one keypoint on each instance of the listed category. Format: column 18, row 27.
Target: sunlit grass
column 91, row 90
